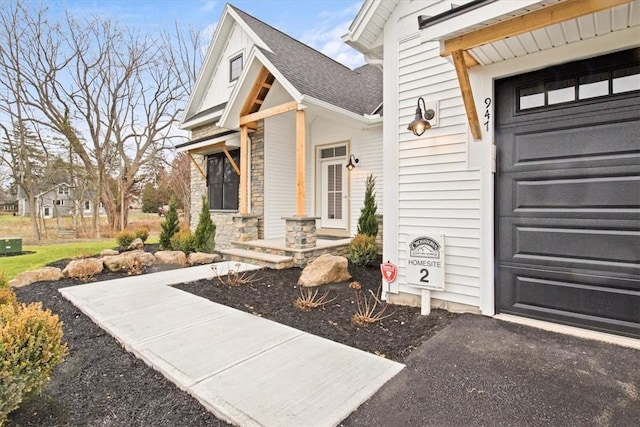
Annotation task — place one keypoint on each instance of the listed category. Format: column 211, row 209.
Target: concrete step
column 275, row 262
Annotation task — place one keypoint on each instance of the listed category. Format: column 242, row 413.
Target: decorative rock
column 40, row 275
column 171, row 257
column 83, row 268
column 124, row 260
column 109, row 252
column 325, row 269
column 136, row 244
column 198, row 258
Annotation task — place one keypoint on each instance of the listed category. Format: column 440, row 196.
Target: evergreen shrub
column 362, row 249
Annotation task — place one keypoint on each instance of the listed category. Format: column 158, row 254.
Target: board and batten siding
column 220, row 87
column 280, row 173
column 437, row 192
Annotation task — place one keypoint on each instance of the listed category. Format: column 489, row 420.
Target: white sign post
column 425, row 266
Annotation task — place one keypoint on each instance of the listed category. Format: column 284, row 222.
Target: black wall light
column 353, row 161
column 420, row 122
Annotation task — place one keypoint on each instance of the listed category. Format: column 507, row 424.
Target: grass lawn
column 44, row 254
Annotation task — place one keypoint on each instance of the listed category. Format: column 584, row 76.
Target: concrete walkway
column 245, row 369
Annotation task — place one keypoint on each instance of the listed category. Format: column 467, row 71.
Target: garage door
column 568, row 194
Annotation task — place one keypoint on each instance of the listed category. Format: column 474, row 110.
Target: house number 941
column 487, row 113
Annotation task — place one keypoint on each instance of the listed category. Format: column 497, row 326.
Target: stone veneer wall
column 226, row 231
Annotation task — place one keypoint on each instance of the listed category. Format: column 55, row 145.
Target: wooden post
column 300, row 159
column 244, row 168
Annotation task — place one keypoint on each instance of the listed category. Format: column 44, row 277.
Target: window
column 59, row 202
column 574, row 89
column 63, row 189
column 235, row 67
column 222, row 181
column 87, row 205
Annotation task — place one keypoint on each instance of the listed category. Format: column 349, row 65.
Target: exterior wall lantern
column 353, row 161
column 420, row 122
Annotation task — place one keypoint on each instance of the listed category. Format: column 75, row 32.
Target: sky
column 318, row 23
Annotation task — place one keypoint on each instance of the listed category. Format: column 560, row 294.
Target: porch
column 277, row 254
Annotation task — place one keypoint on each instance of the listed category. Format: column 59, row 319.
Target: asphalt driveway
column 485, row 372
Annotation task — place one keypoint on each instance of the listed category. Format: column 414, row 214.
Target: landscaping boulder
column 40, row 275
column 136, row 244
column 125, row 260
column 325, row 269
column 171, row 257
column 198, row 258
column 109, row 252
column 83, row 268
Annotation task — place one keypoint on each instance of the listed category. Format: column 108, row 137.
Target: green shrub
column 142, row 233
column 124, row 238
column 362, row 249
column 368, row 221
column 205, row 231
column 183, row 241
column 30, row 347
column 170, row 225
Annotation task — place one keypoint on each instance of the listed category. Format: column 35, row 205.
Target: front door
column 333, row 189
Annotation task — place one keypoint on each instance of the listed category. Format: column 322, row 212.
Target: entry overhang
column 488, row 31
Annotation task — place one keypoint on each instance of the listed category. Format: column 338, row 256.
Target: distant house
column 8, row 205
column 58, row 201
column 274, row 125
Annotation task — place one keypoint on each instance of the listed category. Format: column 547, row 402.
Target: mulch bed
column 99, row 383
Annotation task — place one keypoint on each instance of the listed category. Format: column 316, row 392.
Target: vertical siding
column 437, row 194
column 220, row 88
column 280, row 173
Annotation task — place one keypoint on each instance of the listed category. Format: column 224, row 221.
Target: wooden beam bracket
column 193, row 160
column 467, row 94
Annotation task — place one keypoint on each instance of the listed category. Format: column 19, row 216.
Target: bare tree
column 178, row 179
column 122, row 91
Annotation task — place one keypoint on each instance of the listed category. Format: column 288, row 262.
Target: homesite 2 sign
column 425, row 265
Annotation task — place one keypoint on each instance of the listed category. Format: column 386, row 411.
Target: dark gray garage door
column 568, row 194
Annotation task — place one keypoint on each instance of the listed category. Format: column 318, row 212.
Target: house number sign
column 425, row 262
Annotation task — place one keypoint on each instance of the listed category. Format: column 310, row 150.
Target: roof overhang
column 205, row 145
column 211, row 115
column 483, row 32
column 366, row 30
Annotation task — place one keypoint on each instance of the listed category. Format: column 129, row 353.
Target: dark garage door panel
column 568, row 210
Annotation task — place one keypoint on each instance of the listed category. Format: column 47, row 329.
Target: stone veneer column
column 245, row 228
column 300, row 232
column 257, row 176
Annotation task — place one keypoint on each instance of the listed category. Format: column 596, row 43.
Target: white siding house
column 292, row 118
column 535, row 136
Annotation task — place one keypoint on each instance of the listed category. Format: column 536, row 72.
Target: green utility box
column 10, row 245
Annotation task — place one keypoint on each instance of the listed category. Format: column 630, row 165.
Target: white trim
column 390, row 137
column 571, row 330
column 471, row 19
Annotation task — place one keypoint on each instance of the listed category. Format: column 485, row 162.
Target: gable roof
column 310, row 72
column 315, row 74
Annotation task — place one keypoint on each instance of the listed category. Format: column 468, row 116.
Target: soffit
column 460, row 30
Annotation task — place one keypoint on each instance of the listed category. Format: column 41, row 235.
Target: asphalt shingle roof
column 314, row 74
